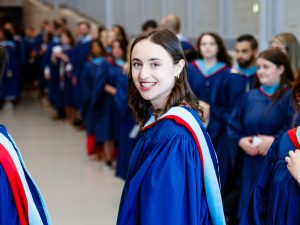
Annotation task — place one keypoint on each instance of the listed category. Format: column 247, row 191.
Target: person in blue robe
column 211, row 66
column 53, row 78
column 21, row 202
column 173, row 175
column 80, row 57
column 94, row 76
column 224, row 98
column 275, row 197
column 260, row 116
column 213, row 82
column 10, row 87
column 128, row 134
column 61, row 77
column 246, row 48
column 107, row 124
column 127, row 131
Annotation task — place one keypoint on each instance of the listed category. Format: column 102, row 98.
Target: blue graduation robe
column 226, row 93
column 93, row 79
column 275, row 198
column 255, row 114
column 10, row 82
column 127, row 136
column 249, row 75
column 60, row 83
column 21, row 202
column 203, row 81
column 80, row 57
column 165, row 179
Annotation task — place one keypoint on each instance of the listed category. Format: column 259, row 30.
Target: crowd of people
column 249, row 107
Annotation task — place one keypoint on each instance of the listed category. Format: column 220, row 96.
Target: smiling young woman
column 168, row 181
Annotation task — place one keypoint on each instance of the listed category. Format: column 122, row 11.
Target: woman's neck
column 210, row 62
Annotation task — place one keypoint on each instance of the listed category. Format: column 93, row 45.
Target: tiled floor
column 76, row 188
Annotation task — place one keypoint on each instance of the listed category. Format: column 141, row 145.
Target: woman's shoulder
column 170, row 128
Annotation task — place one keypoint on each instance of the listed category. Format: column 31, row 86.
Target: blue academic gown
column 97, row 102
column 80, row 57
column 165, row 183
column 249, row 75
column 255, row 114
column 66, row 79
column 203, row 81
column 187, row 47
column 275, row 198
column 10, row 83
column 60, row 83
column 13, row 179
column 128, row 135
column 54, row 71
column 226, row 93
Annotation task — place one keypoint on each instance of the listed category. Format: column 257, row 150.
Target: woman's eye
column 155, row 65
column 136, row 64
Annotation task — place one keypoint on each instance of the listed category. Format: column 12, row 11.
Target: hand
column 246, row 144
column 264, row 146
column 293, row 164
column 74, row 81
column 206, row 110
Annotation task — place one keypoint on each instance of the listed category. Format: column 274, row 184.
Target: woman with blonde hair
column 288, row 44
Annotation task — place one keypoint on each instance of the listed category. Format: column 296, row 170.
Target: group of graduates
column 247, row 105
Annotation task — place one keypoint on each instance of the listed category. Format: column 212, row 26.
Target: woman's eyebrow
column 154, row 59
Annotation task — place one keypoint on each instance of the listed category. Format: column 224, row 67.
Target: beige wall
column 292, row 17
column 35, row 13
column 11, row 3
column 197, row 16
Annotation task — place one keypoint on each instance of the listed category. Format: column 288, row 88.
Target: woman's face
column 117, row 51
column 65, row 39
column 208, row 47
column 268, row 73
column 153, row 72
column 96, row 50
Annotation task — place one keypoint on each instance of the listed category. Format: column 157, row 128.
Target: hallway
column 76, row 188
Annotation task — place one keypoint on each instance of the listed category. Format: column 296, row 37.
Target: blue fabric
column 224, row 97
column 101, row 119
column 164, row 183
column 92, row 84
column 275, row 198
column 97, row 60
column 254, row 114
column 8, row 210
column 127, row 122
column 249, row 74
column 9, row 85
column 6, row 193
column 60, row 83
column 270, row 90
column 202, row 85
column 80, row 57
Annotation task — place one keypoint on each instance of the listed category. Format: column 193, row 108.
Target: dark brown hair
column 277, row 57
column 222, row 55
column 99, row 43
column 181, row 92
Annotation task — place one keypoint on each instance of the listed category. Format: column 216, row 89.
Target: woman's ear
column 179, row 67
column 282, row 69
